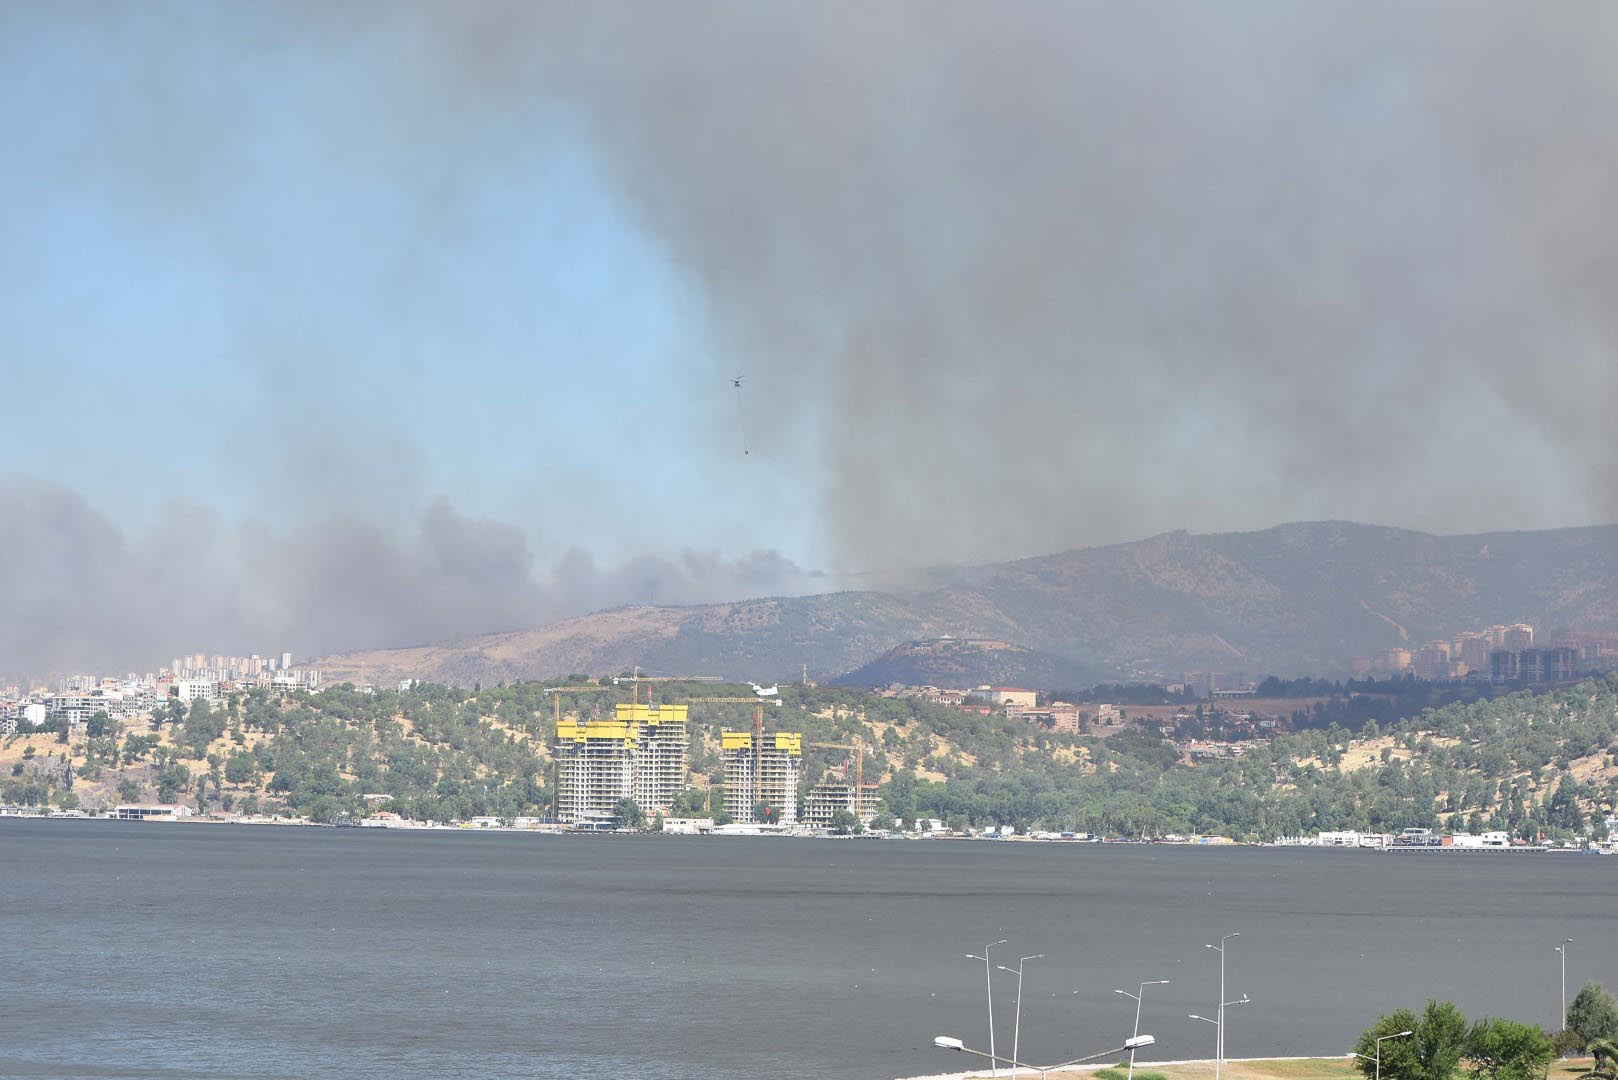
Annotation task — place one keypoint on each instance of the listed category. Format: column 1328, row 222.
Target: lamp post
column 1378, row 1058
column 1016, row 1027
column 1562, row 948
column 1219, row 1051
column 1138, row 996
column 988, row 982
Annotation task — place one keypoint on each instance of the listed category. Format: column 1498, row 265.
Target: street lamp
column 1016, row 1029
column 988, row 981
column 1138, row 998
column 1562, row 948
column 1219, row 1051
column 1378, row 1058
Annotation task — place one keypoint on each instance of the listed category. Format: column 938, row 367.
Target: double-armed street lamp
column 949, row 1042
column 1138, row 997
column 1379, row 1042
column 1219, row 1025
column 1016, row 1028
column 1561, row 1023
column 1219, row 1046
column 988, row 981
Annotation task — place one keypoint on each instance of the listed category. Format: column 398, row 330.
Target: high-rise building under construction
column 639, row 754
column 762, row 771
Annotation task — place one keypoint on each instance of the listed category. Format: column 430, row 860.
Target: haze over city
column 391, row 323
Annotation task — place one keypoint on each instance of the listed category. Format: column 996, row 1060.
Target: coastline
column 553, row 829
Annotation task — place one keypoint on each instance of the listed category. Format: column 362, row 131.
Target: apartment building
column 640, row 754
column 659, row 755
column 762, row 769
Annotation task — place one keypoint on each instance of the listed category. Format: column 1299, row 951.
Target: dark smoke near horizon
column 82, row 594
column 1019, row 276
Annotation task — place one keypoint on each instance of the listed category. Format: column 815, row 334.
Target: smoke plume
column 1037, row 275
column 83, row 594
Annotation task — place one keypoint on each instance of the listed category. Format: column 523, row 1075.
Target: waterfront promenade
column 1278, row 1068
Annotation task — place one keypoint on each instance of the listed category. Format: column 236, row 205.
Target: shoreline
column 31, row 814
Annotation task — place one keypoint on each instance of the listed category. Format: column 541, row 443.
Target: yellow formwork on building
column 636, row 713
column 585, row 730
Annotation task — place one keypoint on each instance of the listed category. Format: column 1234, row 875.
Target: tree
column 883, row 822
column 1605, row 1051
column 1508, row 1050
column 202, row 726
column 843, row 822
column 131, row 790
column 171, row 780
column 628, row 814
column 240, row 767
column 766, row 814
column 1431, row 1052
column 1593, row 1015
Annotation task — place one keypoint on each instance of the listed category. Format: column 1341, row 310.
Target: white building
column 152, row 812
column 194, row 689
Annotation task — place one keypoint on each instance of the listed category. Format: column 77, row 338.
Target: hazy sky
column 356, row 324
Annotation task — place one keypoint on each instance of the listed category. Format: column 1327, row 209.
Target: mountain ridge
column 1302, row 597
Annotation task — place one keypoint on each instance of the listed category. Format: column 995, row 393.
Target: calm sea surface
column 149, row 950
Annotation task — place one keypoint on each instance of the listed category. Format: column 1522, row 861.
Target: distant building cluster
column 77, row 699
column 202, row 675
column 1502, row 654
column 1212, row 684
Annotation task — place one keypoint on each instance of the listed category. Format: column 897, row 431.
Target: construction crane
column 758, row 734
column 858, row 749
column 636, row 676
column 560, row 690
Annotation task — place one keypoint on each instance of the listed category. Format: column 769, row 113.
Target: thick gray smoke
column 1037, row 274
column 81, row 593
column 1019, row 276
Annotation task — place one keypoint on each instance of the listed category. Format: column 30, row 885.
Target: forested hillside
column 1545, row 763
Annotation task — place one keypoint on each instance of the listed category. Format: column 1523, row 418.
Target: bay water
column 139, row 950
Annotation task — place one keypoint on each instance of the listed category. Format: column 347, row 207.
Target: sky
column 338, row 325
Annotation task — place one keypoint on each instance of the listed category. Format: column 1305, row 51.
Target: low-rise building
column 822, row 802
column 1011, row 697
column 152, row 812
